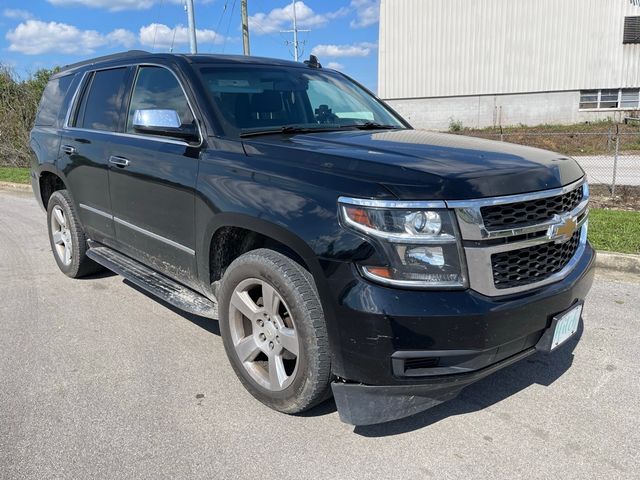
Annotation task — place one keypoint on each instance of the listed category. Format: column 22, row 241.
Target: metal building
column 509, row 62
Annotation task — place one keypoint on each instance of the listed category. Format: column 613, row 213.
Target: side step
column 153, row 282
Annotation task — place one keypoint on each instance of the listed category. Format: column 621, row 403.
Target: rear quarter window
column 52, row 99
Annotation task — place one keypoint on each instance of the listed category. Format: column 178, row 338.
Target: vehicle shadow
column 540, row 368
column 104, row 273
column 208, row 324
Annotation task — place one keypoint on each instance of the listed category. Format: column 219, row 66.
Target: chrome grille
column 533, row 264
column 497, row 217
column 520, row 242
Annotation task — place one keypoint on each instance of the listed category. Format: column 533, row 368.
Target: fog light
column 432, row 256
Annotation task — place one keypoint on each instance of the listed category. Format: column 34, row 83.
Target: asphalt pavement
column 100, row 381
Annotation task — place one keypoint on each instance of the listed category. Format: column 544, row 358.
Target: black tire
column 79, row 265
column 311, row 384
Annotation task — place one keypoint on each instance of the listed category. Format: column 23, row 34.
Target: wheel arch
column 49, row 179
column 226, row 226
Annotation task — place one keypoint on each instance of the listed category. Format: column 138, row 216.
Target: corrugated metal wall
column 434, row 48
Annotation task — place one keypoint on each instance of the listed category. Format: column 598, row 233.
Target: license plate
column 566, row 326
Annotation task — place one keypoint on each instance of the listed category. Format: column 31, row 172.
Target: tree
column 19, row 101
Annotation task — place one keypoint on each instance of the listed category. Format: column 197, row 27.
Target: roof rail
column 114, row 56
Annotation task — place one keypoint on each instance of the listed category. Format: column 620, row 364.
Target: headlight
column 421, row 244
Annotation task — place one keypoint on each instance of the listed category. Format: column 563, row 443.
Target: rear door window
column 52, row 99
column 102, row 102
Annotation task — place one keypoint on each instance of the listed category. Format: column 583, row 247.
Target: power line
column 155, row 30
column 217, row 29
column 226, row 35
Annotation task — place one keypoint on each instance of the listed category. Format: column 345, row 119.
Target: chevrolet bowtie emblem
column 563, row 230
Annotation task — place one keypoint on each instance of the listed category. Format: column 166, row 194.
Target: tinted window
column 331, row 101
column 52, row 99
column 271, row 97
column 100, row 106
column 157, row 88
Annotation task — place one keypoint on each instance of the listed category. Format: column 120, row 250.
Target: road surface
column 99, row 381
column 600, row 169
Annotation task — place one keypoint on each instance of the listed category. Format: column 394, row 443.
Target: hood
column 424, row 165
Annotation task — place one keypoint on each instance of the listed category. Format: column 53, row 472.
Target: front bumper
column 360, row 404
column 405, row 351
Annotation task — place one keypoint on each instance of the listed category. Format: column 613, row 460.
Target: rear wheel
column 67, row 238
column 274, row 332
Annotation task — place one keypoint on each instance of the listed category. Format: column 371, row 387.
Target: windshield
column 254, row 99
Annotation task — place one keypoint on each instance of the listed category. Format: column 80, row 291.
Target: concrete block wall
column 482, row 111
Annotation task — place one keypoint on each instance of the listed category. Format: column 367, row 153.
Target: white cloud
column 116, row 5
column 362, row 49
column 35, row 37
column 123, row 37
column 282, row 19
column 367, row 13
column 335, row 66
column 113, row 5
column 161, row 36
column 17, row 13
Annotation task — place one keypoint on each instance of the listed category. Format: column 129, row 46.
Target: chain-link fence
column 610, row 157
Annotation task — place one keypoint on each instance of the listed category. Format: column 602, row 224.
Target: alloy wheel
column 61, row 235
column 264, row 334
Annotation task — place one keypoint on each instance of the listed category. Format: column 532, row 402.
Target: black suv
column 342, row 251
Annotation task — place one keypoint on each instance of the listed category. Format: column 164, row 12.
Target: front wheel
column 274, row 331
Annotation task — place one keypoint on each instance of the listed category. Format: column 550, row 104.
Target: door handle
column 68, row 149
column 119, row 161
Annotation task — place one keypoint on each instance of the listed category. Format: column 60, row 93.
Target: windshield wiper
column 372, row 126
column 288, row 129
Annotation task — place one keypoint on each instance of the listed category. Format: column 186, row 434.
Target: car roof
column 141, row 55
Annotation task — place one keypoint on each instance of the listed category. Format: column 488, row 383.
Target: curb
column 621, row 262
column 23, row 187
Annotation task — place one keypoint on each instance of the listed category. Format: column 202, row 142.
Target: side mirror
column 163, row 122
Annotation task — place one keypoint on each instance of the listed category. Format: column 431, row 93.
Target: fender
column 258, row 225
column 280, row 234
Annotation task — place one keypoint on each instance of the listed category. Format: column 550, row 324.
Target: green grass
column 14, row 175
column 615, row 230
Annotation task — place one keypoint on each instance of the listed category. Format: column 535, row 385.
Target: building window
column 631, row 30
column 630, row 98
column 609, row 99
column 589, row 99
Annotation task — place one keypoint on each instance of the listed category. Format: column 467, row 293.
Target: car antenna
column 313, row 62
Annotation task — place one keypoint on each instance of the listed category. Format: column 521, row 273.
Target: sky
column 45, row 33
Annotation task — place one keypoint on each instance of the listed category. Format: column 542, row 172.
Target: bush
column 455, row 125
column 18, row 105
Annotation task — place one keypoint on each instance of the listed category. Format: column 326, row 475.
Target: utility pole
column 193, row 45
column 296, row 43
column 245, row 27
